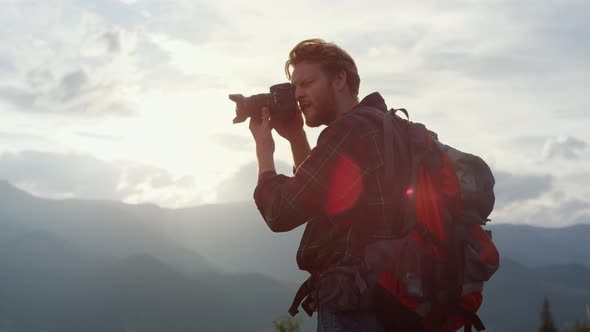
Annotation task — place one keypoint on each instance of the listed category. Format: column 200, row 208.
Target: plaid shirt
column 337, row 191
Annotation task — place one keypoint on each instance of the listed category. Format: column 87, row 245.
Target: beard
column 323, row 109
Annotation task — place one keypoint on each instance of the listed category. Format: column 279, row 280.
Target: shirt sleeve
column 326, row 183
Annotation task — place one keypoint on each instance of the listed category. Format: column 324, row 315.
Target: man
column 337, row 187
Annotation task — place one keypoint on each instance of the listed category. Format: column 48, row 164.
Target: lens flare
column 346, row 186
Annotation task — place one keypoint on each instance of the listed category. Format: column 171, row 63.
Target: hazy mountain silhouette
column 513, row 298
column 46, row 284
column 538, row 246
column 79, row 265
column 101, row 228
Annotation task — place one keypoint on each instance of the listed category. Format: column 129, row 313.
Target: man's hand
column 291, row 130
column 262, row 130
column 265, row 144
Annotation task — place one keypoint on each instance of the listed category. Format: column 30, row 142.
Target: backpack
column 430, row 275
column 431, row 278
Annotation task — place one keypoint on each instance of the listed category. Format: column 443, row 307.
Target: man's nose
column 299, row 94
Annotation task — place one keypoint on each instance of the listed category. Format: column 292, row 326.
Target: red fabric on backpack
column 438, row 200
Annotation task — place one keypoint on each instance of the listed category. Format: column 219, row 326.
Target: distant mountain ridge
column 154, row 263
column 538, row 246
column 46, row 285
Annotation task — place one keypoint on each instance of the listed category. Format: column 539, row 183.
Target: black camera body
column 280, row 101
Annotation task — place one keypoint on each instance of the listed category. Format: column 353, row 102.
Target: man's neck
column 346, row 105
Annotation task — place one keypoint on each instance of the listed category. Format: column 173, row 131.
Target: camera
column 280, row 101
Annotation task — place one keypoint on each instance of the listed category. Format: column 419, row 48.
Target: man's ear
column 340, row 80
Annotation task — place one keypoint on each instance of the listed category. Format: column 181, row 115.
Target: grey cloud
column 571, row 113
column 100, row 136
column 18, row 97
column 405, row 38
column 6, row 66
column 529, row 146
column 21, row 137
column 178, row 19
column 392, row 85
column 582, row 218
column 487, row 66
column 563, row 26
column 511, row 188
column 91, row 107
column 535, row 142
column 73, row 94
column 159, row 70
column 156, row 177
column 552, row 42
column 112, row 39
column 83, row 176
column 39, row 77
column 547, row 41
column 233, row 142
column 72, row 85
column 567, row 213
column 190, row 20
column 115, row 12
column 568, row 148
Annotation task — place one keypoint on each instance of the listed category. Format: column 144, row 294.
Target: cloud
column 56, row 175
column 531, row 142
column 179, row 18
column 478, row 73
column 72, row 85
column 70, row 59
column 104, row 137
column 567, row 212
column 112, row 41
column 73, row 94
column 4, row 135
column 39, row 77
column 21, row 98
column 542, row 200
column 523, row 40
column 6, row 66
column 233, row 142
column 568, row 148
column 517, row 188
column 498, row 65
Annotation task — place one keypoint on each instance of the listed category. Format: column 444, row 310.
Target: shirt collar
column 373, row 100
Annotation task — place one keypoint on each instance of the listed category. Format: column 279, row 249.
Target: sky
column 128, row 100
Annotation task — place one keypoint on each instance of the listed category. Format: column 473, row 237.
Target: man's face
column 314, row 92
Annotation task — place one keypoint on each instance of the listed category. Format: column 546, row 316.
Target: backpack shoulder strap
column 398, row 161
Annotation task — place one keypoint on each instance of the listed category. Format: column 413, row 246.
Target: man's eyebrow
column 295, row 82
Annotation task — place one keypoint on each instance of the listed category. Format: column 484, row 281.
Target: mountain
column 514, row 295
column 100, row 228
column 46, row 284
column 538, row 246
column 97, row 265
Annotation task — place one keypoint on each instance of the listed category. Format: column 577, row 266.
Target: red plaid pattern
column 337, row 191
